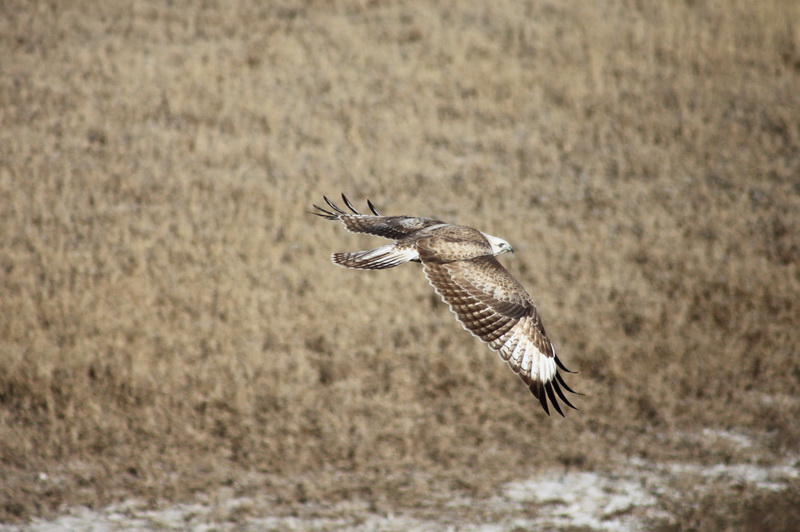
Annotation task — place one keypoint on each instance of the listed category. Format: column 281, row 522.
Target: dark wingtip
column 561, row 365
column 537, row 389
column 372, row 208
column 333, row 206
column 324, row 213
column 552, row 390
column 561, row 381
column 549, row 388
column 337, row 211
column 562, row 396
column 349, row 205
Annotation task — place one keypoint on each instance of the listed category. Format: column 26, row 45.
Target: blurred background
column 171, row 321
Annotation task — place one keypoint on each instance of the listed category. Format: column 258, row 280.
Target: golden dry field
column 172, row 324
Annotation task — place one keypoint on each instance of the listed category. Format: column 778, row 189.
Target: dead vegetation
column 170, row 316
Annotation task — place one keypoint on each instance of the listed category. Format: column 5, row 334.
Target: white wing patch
column 525, row 358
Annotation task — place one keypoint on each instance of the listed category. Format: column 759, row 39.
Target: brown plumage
column 460, row 264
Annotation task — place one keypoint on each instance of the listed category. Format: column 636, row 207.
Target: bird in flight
column 460, row 264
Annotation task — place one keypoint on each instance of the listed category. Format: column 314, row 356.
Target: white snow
column 624, row 499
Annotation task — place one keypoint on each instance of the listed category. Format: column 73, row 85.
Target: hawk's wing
column 496, row 308
column 393, row 227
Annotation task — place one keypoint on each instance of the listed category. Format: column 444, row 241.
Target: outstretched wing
column 387, row 256
column 393, row 227
column 496, row 308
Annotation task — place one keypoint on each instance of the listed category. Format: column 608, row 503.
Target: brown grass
column 170, row 316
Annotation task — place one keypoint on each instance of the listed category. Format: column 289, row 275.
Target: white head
column 498, row 245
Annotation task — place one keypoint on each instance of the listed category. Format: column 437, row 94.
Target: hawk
column 460, row 264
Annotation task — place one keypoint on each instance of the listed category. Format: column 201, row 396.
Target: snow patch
column 627, row 498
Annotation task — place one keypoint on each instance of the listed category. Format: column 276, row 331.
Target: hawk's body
column 460, row 264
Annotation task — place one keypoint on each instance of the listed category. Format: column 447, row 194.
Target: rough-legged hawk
column 460, row 264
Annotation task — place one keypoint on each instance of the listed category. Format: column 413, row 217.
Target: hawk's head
column 499, row 245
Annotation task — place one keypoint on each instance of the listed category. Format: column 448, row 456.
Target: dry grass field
column 171, row 321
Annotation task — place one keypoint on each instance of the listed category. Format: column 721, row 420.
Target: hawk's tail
column 387, row 256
